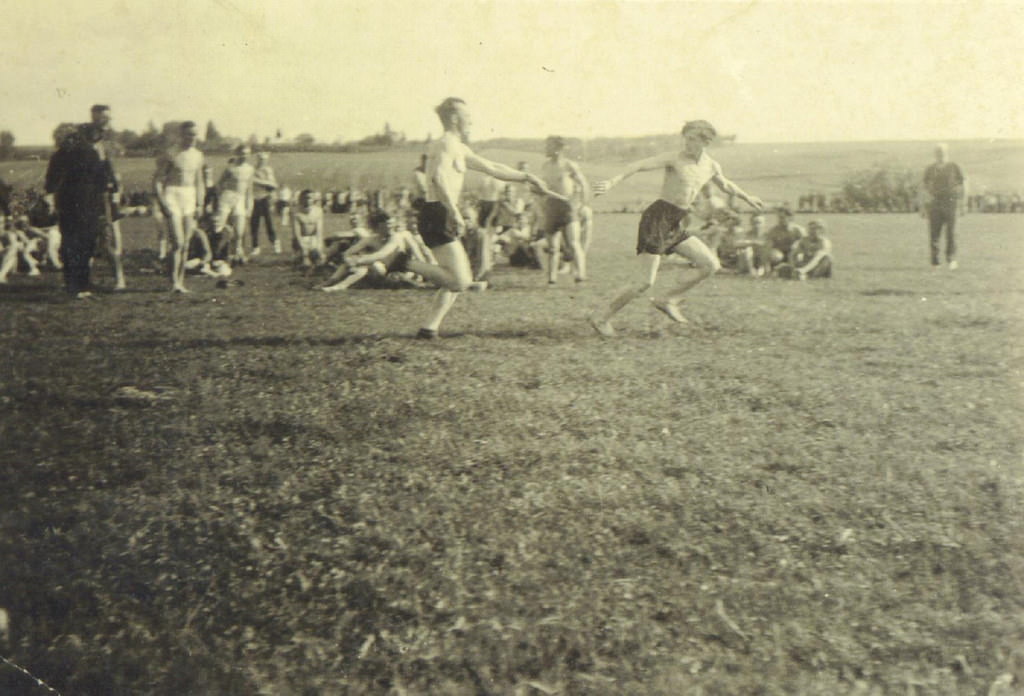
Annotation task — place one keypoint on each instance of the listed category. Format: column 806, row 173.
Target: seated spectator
column 15, row 244
column 518, row 245
column 199, row 254
column 386, row 251
column 43, row 222
column 750, row 248
column 780, row 240
column 811, row 256
column 308, row 231
column 730, row 243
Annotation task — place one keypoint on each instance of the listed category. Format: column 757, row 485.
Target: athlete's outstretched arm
column 505, row 173
column 645, row 165
column 732, row 189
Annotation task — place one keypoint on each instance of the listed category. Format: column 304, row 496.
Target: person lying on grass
column 338, row 243
column 379, row 255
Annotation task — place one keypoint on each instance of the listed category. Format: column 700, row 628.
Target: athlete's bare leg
column 554, row 242
column 486, row 253
column 586, row 231
column 26, row 249
column 10, row 258
column 180, row 229
column 239, row 222
column 357, row 274
column 453, row 274
column 114, row 253
column 579, row 252
column 707, row 263
column 647, row 272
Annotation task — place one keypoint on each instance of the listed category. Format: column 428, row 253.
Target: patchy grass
column 819, row 490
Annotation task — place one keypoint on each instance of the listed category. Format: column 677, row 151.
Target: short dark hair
column 557, row 140
column 447, row 108
column 188, row 124
column 96, row 108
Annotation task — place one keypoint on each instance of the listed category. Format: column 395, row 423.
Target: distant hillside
column 786, row 171
column 775, row 172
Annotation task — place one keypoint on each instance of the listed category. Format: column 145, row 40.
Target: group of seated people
column 28, row 240
column 787, row 250
column 514, row 233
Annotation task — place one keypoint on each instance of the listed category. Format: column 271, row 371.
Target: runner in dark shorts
column 557, row 215
column 662, row 227
column 435, row 225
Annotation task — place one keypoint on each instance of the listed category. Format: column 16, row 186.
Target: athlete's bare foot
column 670, row 309
column 602, row 327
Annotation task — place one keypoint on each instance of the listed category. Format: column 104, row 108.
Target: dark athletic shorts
column 557, row 215
column 434, row 226
column 662, row 227
column 484, row 212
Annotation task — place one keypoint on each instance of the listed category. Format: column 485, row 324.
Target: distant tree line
column 130, row 143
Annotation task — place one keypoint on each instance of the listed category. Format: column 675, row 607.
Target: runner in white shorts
column 235, row 199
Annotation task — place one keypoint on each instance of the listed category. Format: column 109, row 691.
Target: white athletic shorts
column 181, row 200
column 230, row 203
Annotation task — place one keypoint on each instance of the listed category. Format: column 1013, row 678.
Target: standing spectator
column 179, row 186
column 264, row 185
column 943, row 195
column 79, row 179
column 234, row 202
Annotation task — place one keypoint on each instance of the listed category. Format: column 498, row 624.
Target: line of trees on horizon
column 148, row 143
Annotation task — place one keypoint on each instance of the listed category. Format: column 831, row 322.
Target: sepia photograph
column 512, row 348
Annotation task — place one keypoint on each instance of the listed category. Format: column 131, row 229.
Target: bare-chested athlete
column 179, row 187
column 441, row 223
column 663, row 224
column 560, row 219
column 235, row 199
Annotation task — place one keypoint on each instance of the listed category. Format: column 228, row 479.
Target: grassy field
column 815, row 490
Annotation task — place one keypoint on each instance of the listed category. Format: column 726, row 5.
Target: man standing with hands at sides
column 79, row 181
column 264, row 186
column 943, row 197
column 179, row 186
column 560, row 219
column 235, row 200
column 441, row 223
column 662, row 229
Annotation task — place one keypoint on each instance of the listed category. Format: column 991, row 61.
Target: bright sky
column 766, row 70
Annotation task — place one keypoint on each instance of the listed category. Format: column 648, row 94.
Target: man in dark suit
column 944, row 195
column 80, row 178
